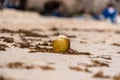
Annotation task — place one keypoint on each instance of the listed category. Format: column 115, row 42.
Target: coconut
column 61, row 43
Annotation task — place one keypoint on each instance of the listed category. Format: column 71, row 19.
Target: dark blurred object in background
column 1, row 4
column 22, row 4
column 14, row 4
column 53, row 8
column 62, row 8
column 10, row 4
column 58, row 12
column 50, row 6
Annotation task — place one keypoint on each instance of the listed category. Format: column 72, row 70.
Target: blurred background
column 93, row 9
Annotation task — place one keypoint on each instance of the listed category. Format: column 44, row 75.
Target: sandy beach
column 26, row 48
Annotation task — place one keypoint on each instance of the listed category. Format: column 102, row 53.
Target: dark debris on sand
column 3, row 47
column 50, row 50
column 99, row 64
column 31, row 33
column 77, row 68
column 28, row 33
column 40, row 49
column 54, row 29
column 116, row 44
column 74, row 52
column 47, row 68
column 118, row 52
column 2, row 78
column 100, row 74
column 19, row 65
column 23, row 44
column 7, row 39
column 22, row 65
column 116, row 77
column 95, row 63
column 106, row 57
column 7, row 31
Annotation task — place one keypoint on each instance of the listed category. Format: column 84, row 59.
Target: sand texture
column 26, row 51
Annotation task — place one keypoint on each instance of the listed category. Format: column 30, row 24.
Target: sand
column 25, row 38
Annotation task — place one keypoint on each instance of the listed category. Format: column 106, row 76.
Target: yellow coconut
column 61, row 43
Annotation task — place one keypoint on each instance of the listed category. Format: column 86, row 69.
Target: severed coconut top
column 62, row 36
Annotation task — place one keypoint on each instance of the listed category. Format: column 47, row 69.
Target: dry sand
column 21, row 32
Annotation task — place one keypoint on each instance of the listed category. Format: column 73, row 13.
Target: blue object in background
column 110, row 14
column 57, row 13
